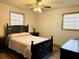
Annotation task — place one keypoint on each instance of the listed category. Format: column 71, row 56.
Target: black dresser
column 70, row 50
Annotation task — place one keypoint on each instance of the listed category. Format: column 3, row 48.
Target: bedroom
column 47, row 23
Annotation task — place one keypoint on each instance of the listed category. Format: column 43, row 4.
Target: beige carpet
column 56, row 53
column 55, row 56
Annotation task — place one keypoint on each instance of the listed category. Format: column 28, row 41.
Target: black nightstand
column 2, row 44
column 35, row 33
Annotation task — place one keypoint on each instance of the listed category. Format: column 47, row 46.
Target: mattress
column 21, row 43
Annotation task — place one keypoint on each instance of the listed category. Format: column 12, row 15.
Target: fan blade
column 47, row 6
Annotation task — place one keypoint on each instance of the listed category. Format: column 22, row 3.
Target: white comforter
column 22, row 43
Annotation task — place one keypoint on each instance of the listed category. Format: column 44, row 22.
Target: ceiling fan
column 39, row 6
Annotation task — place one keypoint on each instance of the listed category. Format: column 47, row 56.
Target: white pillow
column 19, row 34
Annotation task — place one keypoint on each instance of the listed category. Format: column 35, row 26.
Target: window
column 71, row 21
column 16, row 18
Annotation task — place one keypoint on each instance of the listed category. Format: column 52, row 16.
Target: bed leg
column 31, row 45
column 51, row 43
column 32, row 49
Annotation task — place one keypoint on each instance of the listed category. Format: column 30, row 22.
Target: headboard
column 16, row 29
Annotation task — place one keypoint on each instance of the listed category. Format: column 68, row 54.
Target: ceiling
column 27, row 4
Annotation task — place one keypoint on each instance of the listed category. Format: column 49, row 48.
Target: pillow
column 19, row 34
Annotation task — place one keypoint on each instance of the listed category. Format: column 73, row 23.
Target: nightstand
column 35, row 33
column 2, row 44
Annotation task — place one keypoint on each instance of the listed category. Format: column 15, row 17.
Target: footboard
column 42, row 49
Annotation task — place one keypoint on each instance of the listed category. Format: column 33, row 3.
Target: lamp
column 34, row 28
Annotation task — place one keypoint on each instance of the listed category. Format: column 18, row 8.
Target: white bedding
column 21, row 43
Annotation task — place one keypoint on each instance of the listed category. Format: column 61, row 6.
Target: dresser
column 70, row 49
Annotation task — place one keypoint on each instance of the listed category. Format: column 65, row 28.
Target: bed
column 38, row 47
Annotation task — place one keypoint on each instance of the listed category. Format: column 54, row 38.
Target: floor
column 11, row 55
column 56, row 53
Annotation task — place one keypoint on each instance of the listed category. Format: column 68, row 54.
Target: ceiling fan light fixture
column 37, row 9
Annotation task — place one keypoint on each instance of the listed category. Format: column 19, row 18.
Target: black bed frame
column 38, row 50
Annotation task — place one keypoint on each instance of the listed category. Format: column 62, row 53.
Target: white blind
column 17, row 19
column 71, row 21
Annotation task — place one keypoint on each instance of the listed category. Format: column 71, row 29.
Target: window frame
column 63, row 21
column 16, row 13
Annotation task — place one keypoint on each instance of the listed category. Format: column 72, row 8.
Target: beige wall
column 50, row 23
column 4, row 16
